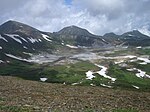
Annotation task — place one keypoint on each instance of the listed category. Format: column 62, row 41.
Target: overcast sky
column 98, row 16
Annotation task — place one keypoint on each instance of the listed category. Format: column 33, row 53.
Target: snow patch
column 139, row 47
column 3, row 38
column 106, row 86
column 92, row 84
column 13, row 36
column 27, row 53
column 130, row 56
column 46, row 37
column 89, row 75
column 1, row 61
column 104, row 40
column 131, row 69
column 143, row 63
column 103, row 71
column 24, row 39
column 1, row 47
column 15, row 57
column 130, row 35
column 25, row 47
column 146, row 60
column 140, row 73
column 136, row 87
column 70, row 46
column 118, row 62
column 43, row 79
column 40, row 40
column 133, row 60
column 32, row 40
column 73, row 84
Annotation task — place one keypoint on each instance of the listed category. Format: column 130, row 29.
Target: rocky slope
column 22, row 95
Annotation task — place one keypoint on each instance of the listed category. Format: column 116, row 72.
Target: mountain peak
column 74, row 30
column 73, row 26
column 14, row 27
column 11, row 22
column 133, row 33
column 109, row 34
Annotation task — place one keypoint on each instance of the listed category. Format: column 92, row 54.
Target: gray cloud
column 98, row 16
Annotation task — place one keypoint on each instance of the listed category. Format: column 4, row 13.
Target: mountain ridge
column 72, row 29
column 18, row 34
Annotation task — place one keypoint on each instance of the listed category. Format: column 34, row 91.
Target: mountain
column 74, row 30
column 20, row 39
column 135, row 38
column 131, row 38
column 112, row 38
column 80, row 37
column 11, row 27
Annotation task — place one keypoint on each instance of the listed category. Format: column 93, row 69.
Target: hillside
column 18, row 95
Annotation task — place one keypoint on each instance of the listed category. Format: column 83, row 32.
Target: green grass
column 144, row 51
column 2, row 99
column 75, row 73
column 126, row 79
column 14, row 109
column 69, row 74
column 145, row 68
column 20, row 69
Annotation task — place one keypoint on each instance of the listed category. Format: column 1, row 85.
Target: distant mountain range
column 17, row 38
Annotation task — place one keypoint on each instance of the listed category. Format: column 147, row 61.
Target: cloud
column 111, row 8
column 98, row 16
column 116, row 15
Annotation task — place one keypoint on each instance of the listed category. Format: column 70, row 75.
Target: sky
column 68, row 2
column 97, row 16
